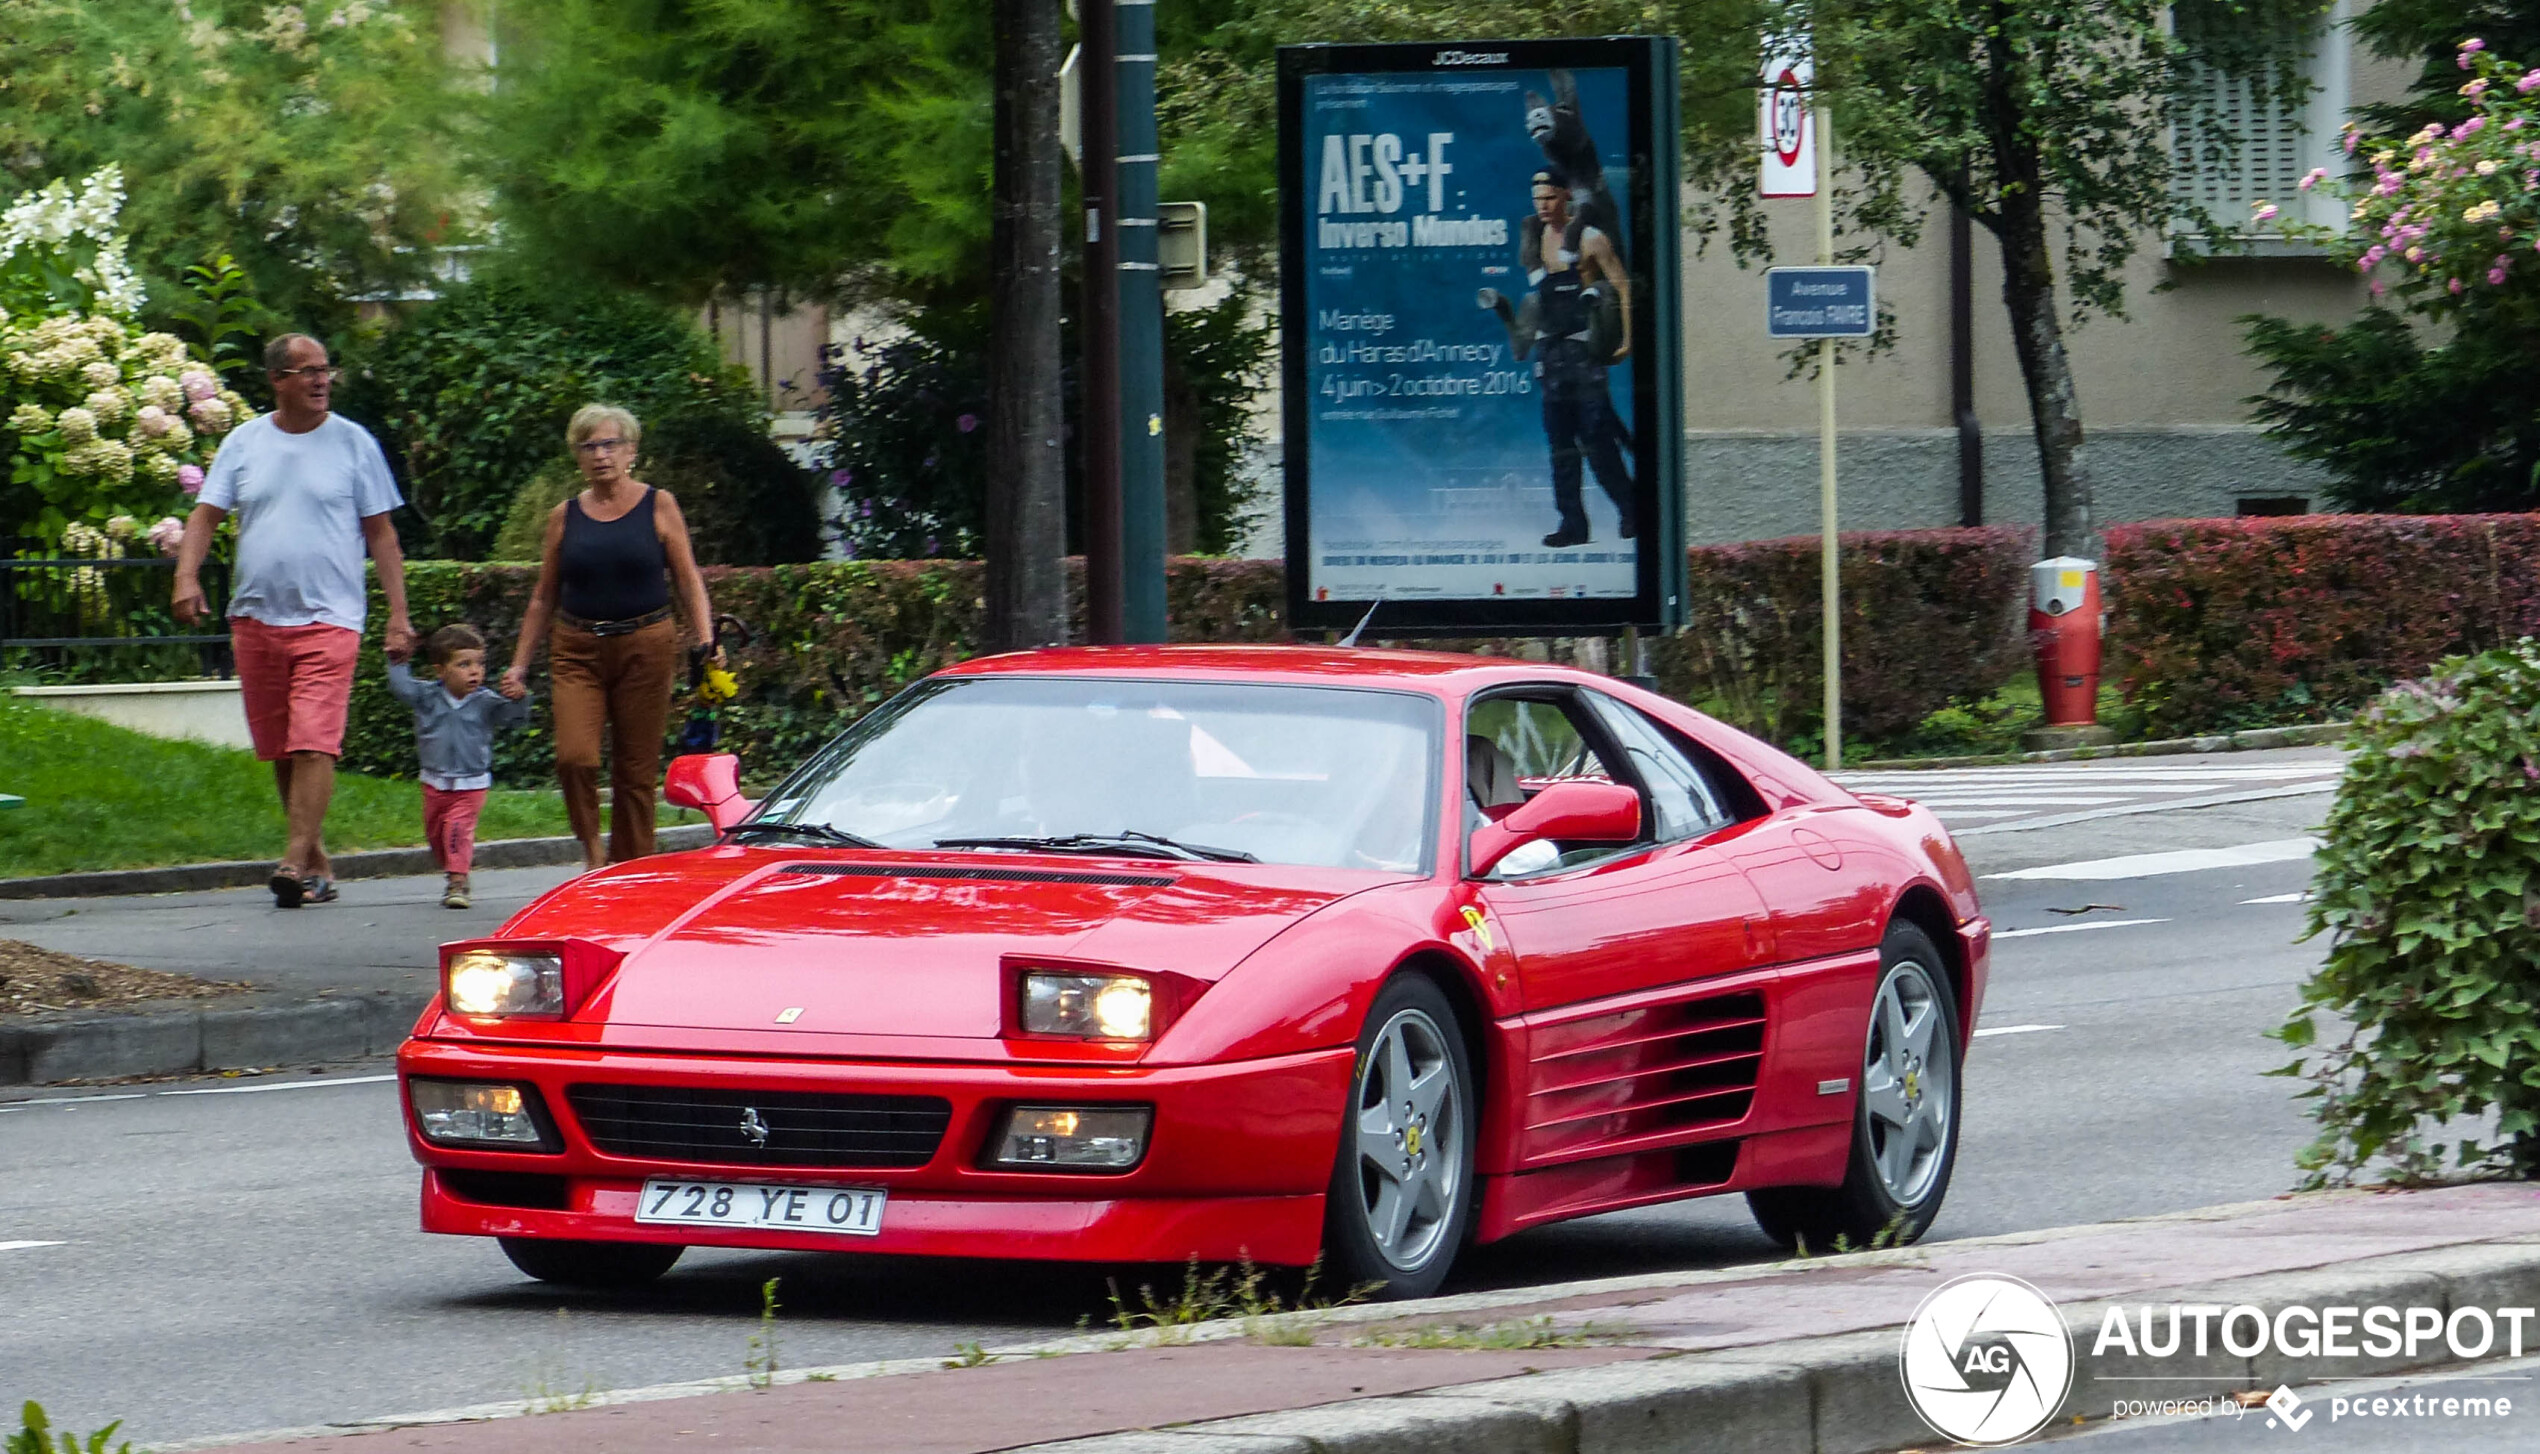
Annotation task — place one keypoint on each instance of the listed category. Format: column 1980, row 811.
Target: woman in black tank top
column 614, row 554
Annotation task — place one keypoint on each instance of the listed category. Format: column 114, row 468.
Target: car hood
column 861, row 946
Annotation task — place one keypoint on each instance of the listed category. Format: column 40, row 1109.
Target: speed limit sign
column 1788, row 123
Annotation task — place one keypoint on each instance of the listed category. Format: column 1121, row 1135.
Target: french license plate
column 854, row 1211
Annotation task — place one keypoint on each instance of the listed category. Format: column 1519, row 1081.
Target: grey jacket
column 455, row 738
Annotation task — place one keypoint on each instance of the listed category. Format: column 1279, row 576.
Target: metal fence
column 78, row 612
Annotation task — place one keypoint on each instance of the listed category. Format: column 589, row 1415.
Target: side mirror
column 1578, row 810
column 711, row 784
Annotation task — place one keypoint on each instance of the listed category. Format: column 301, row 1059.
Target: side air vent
column 980, row 875
column 1662, row 1073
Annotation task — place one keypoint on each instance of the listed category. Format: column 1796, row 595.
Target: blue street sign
column 1820, row 302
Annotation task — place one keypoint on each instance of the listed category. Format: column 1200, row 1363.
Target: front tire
column 1402, row 1194
column 595, row 1265
column 1905, row 1123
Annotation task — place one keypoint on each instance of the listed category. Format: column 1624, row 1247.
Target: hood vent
column 980, row 875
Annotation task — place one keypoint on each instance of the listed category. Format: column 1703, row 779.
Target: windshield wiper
column 816, row 832
column 1143, row 845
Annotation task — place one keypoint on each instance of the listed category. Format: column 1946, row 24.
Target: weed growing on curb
column 760, row 1363
column 970, row 1355
column 36, row 1431
column 545, row 1392
column 1241, row 1291
column 1517, row 1337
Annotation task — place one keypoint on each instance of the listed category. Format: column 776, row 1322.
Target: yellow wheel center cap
column 1913, row 1084
column 1411, row 1141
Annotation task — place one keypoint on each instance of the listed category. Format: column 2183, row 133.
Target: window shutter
column 2239, row 153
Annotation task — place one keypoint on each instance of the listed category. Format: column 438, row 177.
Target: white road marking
column 1943, row 802
column 240, row 1090
column 2074, row 928
column 2292, row 898
column 2014, row 1030
column 18, row 1246
column 2181, row 860
column 2159, row 805
column 80, row 1100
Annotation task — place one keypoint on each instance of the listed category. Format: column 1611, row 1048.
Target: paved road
column 2046, row 794
column 245, row 1259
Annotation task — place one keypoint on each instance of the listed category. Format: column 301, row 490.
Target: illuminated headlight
column 464, row 1113
column 1079, row 1138
column 1095, row 1006
column 492, row 982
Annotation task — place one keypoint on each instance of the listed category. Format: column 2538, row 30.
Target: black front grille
column 760, row 1128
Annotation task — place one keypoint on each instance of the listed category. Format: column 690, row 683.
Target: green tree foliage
column 681, row 147
column 315, row 142
column 471, row 396
column 2049, row 123
column 2429, row 888
column 2433, row 405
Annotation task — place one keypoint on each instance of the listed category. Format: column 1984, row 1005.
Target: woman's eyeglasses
column 600, row 446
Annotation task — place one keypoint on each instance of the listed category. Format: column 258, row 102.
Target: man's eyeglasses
column 328, row 371
column 601, row 446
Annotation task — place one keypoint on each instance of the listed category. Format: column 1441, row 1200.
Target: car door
column 1631, row 1039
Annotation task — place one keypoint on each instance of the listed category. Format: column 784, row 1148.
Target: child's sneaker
column 454, row 891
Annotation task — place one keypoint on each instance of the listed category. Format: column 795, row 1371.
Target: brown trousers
column 626, row 682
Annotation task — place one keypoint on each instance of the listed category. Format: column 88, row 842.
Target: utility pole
column 1830, row 570
column 1141, row 321
column 1099, row 320
column 1026, row 496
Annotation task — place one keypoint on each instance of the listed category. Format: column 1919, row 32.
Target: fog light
column 1095, row 1006
column 491, row 982
column 457, row 1112
column 1080, row 1138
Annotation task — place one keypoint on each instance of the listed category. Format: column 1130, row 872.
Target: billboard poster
column 1480, row 259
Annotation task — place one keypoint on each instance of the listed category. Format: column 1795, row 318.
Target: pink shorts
column 296, row 683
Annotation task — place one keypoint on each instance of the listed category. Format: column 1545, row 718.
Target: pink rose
column 2530, row 79
column 2495, row 276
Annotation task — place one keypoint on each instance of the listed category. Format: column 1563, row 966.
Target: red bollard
column 2063, row 627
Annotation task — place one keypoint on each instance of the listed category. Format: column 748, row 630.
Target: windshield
column 1322, row 776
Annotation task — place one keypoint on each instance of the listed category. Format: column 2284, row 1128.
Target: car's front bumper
column 1236, row 1162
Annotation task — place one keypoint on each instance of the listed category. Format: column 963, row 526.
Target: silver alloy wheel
column 1909, row 1080
column 1410, row 1140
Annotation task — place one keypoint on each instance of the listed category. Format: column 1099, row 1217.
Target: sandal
column 288, row 889
column 320, row 889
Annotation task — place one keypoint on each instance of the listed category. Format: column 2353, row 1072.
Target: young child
column 455, row 722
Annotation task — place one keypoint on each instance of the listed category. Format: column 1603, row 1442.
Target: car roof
column 1437, row 673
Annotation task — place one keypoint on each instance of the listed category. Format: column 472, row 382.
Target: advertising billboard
column 1479, row 291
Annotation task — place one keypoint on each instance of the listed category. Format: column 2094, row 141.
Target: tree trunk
column 1026, row 523
column 2028, row 291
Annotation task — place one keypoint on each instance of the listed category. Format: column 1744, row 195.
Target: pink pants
column 449, row 825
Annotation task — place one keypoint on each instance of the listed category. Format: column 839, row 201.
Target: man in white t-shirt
column 312, row 495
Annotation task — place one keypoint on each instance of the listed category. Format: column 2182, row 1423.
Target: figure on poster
column 1570, row 152
column 1574, row 325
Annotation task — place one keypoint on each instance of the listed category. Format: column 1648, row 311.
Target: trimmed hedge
column 2224, row 624
column 1929, row 617
column 1928, row 620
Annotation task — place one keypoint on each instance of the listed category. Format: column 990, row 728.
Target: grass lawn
column 99, row 796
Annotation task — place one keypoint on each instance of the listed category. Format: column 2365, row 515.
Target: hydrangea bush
column 104, row 424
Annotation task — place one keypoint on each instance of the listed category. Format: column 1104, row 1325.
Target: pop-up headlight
column 504, row 982
column 1091, row 1006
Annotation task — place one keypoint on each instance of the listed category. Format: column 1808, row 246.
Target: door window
column 1683, row 799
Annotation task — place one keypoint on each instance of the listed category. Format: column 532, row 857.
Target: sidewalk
column 1790, row 1358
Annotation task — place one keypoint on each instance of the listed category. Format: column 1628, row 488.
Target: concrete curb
column 1835, row 1395
column 174, row 1042
column 372, row 863
column 2254, row 740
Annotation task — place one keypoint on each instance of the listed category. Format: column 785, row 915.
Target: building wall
column 2163, row 389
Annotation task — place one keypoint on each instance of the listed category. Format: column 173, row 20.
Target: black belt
column 624, row 625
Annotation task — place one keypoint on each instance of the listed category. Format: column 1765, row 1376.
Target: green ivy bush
column 2218, row 625
column 470, row 395
column 2429, row 888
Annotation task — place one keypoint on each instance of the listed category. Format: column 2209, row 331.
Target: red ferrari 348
column 1139, row 954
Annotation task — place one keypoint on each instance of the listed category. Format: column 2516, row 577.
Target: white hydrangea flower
column 158, row 469
column 163, row 393
column 110, row 404
column 101, row 374
column 30, row 419
column 122, row 527
column 78, row 425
